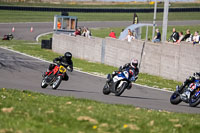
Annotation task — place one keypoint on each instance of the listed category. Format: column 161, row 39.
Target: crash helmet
column 134, row 63
column 68, row 56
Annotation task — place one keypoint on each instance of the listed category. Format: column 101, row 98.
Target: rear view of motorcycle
column 118, row 83
column 54, row 77
column 188, row 93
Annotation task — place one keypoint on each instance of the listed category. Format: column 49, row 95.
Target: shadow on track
column 76, row 91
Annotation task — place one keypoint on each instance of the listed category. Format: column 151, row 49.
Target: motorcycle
column 118, row 83
column 54, row 77
column 189, row 94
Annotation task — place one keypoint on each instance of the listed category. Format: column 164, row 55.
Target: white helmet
column 134, row 63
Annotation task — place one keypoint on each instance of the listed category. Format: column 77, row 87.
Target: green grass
column 30, row 16
column 35, row 50
column 28, row 112
column 45, row 37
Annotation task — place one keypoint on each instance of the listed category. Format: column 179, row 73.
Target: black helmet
column 68, row 55
column 134, row 63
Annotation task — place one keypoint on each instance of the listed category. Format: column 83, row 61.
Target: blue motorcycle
column 189, row 94
column 119, row 82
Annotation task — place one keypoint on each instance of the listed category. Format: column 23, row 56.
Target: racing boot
column 129, row 86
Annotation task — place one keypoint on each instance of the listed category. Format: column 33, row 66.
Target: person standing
column 130, row 36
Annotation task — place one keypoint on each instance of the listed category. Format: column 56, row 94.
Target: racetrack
column 24, row 72
column 22, row 30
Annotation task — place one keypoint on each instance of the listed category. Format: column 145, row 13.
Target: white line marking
column 37, row 38
column 19, row 60
column 82, row 71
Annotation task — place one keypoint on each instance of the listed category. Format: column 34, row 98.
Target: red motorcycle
column 54, row 77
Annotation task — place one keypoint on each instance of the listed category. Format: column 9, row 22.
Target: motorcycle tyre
column 194, row 104
column 106, row 90
column 43, row 85
column 56, row 86
column 177, row 100
column 122, row 89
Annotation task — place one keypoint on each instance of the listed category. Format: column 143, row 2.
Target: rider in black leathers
column 131, row 66
column 66, row 61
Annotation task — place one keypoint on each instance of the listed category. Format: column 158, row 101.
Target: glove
column 120, row 68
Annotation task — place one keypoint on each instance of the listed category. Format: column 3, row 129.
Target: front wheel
column 106, row 89
column 194, row 100
column 44, row 84
column 57, row 82
column 121, row 89
column 175, row 98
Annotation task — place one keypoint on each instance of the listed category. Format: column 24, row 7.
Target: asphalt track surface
column 22, row 30
column 24, row 72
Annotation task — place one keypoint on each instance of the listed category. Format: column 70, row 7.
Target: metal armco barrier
column 127, row 10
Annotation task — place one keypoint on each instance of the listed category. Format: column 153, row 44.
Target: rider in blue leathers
column 188, row 81
column 132, row 69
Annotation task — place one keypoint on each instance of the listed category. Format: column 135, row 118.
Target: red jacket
column 112, row 34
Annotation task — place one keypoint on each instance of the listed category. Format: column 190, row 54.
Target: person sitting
column 196, row 37
column 84, row 32
column 180, row 37
column 174, row 37
column 112, row 34
column 157, row 38
column 187, row 36
column 77, row 32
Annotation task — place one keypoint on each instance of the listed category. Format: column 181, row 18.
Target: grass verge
column 24, row 111
column 35, row 50
column 31, row 16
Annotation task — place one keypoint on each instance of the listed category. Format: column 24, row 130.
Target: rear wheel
column 194, row 100
column 175, row 98
column 121, row 89
column 106, row 89
column 57, row 82
column 44, row 84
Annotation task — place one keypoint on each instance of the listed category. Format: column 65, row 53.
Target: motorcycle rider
column 66, row 61
column 132, row 69
column 189, row 80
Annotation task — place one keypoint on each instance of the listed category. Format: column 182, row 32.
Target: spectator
column 175, row 36
column 112, row 34
column 88, row 33
column 180, row 37
column 157, row 38
column 77, row 32
column 59, row 25
column 121, row 32
column 130, row 36
column 84, row 32
column 196, row 37
column 187, row 36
